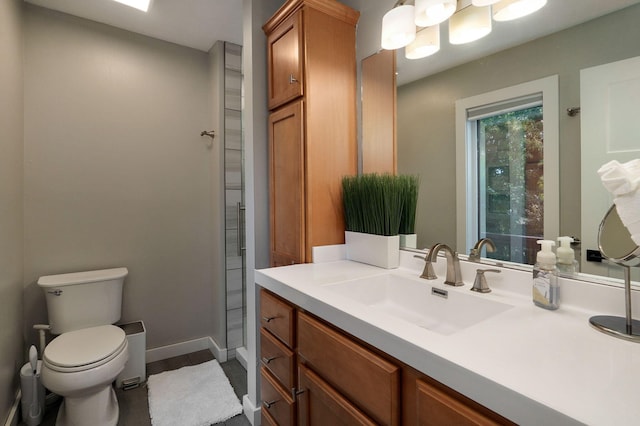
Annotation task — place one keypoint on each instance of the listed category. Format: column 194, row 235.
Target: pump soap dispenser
column 567, row 263
column 545, row 281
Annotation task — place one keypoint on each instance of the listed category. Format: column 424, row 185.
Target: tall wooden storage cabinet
column 312, row 125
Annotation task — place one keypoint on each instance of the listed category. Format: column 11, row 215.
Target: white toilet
column 83, row 361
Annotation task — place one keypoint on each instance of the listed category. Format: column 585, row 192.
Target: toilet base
column 97, row 409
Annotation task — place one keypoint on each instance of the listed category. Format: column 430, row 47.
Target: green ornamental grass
column 374, row 203
column 410, row 185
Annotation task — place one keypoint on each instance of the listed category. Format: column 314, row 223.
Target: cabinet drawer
column 277, row 358
column 267, row 420
column 436, row 407
column 275, row 400
column 278, row 317
column 363, row 377
column 320, row 404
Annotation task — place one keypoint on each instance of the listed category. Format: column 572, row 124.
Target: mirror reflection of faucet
column 475, row 253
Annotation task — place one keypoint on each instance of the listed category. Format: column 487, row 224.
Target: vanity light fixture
column 398, row 27
column 142, row 5
column 432, row 12
column 469, row 24
column 427, row 43
column 469, row 20
column 507, row 10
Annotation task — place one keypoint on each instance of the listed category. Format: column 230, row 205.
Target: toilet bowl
column 83, row 361
column 81, row 366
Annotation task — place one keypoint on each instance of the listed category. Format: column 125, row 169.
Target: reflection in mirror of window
column 510, row 182
column 506, row 138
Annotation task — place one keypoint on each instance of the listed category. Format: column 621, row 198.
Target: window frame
column 467, row 203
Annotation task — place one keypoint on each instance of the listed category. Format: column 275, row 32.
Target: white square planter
column 376, row 250
column 409, row 240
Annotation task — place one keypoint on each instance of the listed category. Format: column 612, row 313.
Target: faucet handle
column 428, row 272
column 480, row 283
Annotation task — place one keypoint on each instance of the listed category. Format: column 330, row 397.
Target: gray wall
column 426, row 121
column 116, row 173
column 11, row 189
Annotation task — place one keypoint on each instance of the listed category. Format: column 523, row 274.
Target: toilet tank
column 83, row 299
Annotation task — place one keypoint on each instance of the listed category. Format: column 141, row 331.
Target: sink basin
column 420, row 302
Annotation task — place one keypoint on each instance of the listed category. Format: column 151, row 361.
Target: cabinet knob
column 292, row 79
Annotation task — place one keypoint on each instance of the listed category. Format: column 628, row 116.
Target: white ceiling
column 200, row 23
column 192, row 23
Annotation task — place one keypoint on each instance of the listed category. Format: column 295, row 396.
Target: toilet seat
column 84, row 349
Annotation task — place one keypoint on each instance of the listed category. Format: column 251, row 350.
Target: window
column 504, row 192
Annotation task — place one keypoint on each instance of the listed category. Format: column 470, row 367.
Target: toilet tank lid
column 82, row 277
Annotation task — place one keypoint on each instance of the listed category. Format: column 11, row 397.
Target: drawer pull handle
column 292, row 79
column 269, row 404
column 295, row 393
column 268, row 319
column 268, row 360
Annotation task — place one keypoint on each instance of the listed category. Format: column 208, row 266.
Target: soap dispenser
column 567, row 263
column 545, row 281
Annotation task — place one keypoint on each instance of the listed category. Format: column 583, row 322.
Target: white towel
column 623, row 181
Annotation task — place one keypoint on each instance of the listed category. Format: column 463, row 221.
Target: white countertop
column 531, row 365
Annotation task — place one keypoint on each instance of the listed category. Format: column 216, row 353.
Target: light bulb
column 398, row 27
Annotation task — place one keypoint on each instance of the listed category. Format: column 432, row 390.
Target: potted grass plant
column 410, row 185
column 373, row 211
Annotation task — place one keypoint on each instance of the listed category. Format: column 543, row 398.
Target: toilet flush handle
column 55, row 292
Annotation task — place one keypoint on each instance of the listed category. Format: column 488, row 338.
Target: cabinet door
column 319, row 404
column 436, row 408
column 366, row 379
column 285, row 56
column 287, row 186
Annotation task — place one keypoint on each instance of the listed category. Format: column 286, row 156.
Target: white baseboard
column 12, row 418
column 177, row 349
column 241, row 356
column 251, row 412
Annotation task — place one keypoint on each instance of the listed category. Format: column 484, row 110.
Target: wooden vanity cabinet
column 323, row 376
column 312, row 124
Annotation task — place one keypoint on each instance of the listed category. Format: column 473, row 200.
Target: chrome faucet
column 454, row 277
column 474, row 254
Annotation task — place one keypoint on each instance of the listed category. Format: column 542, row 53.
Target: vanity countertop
column 531, row 365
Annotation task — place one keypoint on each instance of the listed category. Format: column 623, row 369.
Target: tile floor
column 134, row 406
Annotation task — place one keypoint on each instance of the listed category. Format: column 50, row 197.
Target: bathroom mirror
column 615, row 240
column 425, row 111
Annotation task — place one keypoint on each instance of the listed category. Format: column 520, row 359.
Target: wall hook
column 211, row 134
column 573, row 111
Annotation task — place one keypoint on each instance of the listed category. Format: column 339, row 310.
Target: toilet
column 82, row 362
